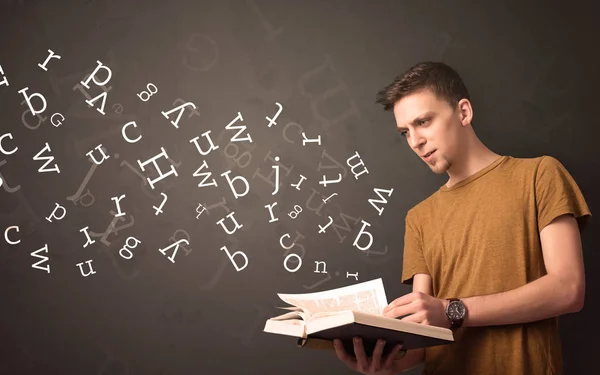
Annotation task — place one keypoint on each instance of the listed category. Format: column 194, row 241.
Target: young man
column 494, row 254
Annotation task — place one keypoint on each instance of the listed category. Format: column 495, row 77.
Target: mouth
column 428, row 154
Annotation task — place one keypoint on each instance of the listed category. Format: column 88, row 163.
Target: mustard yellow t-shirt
column 481, row 236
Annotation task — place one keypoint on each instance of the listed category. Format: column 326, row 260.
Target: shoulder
column 422, row 208
column 533, row 165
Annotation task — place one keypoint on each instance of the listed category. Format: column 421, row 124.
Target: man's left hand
column 420, row 308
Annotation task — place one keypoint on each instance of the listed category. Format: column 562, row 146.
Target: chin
column 441, row 166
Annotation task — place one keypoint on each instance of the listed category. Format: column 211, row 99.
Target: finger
column 377, row 355
column 392, row 356
column 400, row 311
column 359, row 353
column 412, row 318
column 343, row 355
column 400, row 301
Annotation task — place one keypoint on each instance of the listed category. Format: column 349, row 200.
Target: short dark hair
column 438, row 77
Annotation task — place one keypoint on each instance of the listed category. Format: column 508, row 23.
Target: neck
column 476, row 157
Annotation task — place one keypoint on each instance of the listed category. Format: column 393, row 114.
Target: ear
column 465, row 112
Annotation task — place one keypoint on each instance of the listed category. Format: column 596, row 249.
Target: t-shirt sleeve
column 557, row 194
column 413, row 259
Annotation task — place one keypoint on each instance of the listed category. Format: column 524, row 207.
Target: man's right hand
column 374, row 365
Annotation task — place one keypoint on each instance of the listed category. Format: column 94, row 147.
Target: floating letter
column 48, row 160
column 382, row 198
column 43, row 259
column 181, row 108
column 224, row 248
column 153, row 160
column 52, row 55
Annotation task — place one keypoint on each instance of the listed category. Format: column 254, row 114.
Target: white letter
column 153, row 160
column 322, row 229
column 58, row 123
column 128, row 247
column 286, row 260
column 241, row 127
column 383, row 200
column 206, row 176
column 89, row 240
column 93, row 76
column 117, row 200
column 317, row 266
column 237, row 226
column 361, row 233
column 92, row 101
column 159, row 209
column 43, row 66
column 230, row 181
column 197, row 208
column 101, row 149
column 270, row 207
column 356, row 165
column 48, row 160
column 43, row 259
column 325, row 181
column 281, row 242
column 176, row 244
column 6, row 235
column 272, row 121
column 28, row 99
column 224, row 248
column 5, row 80
column 125, row 137
column 52, row 215
column 9, row 135
column 91, row 270
column 276, row 167
column 297, row 186
column 148, row 93
column 181, row 109
column 318, row 139
column 210, row 142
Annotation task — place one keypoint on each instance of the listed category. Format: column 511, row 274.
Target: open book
column 356, row 310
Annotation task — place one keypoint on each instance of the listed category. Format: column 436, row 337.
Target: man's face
column 429, row 124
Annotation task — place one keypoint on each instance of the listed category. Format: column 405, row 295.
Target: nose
column 415, row 140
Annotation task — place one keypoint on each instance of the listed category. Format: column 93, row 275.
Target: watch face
column 456, row 310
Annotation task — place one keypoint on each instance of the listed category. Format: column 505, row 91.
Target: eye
column 421, row 122
column 403, row 134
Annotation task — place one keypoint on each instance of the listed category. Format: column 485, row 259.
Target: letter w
column 382, row 200
column 48, row 159
column 206, row 176
column 241, row 127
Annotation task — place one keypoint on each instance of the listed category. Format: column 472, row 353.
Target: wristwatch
column 456, row 311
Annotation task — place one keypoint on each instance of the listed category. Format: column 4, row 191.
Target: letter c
column 125, row 135
column 281, row 242
column 9, row 135
column 6, row 235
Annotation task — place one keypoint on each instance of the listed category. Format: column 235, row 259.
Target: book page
column 368, row 297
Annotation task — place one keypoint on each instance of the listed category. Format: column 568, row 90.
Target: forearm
column 412, row 358
column 543, row 298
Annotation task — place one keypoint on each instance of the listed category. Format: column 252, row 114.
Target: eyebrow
column 417, row 119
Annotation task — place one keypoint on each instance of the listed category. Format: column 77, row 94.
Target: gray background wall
column 531, row 68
